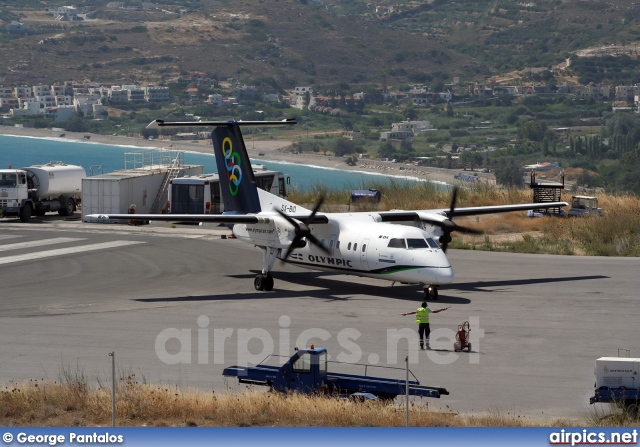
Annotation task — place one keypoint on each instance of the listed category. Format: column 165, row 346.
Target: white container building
column 145, row 187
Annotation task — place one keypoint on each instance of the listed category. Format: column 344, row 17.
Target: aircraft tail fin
column 237, row 181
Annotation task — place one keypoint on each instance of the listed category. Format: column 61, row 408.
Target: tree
column 471, row 159
column 410, row 112
column 344, row 147
column 532, row 130
column 386, row 150
column 307, row 99
column 351, row 161
column 406, row 150
column 510, row 175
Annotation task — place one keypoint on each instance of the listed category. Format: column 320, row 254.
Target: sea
column 22, row 151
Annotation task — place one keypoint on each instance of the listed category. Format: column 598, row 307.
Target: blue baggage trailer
column 307, row 372
column 616, row 395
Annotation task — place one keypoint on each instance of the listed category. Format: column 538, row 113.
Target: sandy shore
column 268, row 150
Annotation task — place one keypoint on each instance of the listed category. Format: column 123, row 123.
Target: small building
column 156, row 94
column 115, row 192
column 352, row 134
column 17, row 27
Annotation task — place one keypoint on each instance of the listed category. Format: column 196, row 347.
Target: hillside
column 280, row 43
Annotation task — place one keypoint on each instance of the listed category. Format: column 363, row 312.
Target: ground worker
column 422, row 318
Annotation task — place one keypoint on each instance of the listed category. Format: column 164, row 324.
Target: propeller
column 302, row 230
column 448, row 226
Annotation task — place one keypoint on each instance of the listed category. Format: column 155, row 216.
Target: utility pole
column 406, row 384
column 112, row 354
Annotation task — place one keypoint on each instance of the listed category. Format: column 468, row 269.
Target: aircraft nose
column 445, row 275
column 444, row 272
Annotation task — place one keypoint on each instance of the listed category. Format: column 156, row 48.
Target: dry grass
column 74, row 403
column 617, row 233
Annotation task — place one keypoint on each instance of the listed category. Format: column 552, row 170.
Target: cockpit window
column 432, row 243
column 417, row 243
column 397, row 243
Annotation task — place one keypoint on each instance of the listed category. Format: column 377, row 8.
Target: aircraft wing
column 475, row 210
column 308, row 219
column 219, row 218
column 406, row 216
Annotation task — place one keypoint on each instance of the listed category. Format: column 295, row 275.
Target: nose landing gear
column 431, row 292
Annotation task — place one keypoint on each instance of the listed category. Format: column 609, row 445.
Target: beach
column 268, row 150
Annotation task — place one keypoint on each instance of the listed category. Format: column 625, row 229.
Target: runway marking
column 66, row 251
column 7, row 236
column 57, row 240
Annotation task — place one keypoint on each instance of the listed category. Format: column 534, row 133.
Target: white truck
column 618, row 381
column 39, row 189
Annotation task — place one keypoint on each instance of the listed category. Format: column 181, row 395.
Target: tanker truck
column 39, row 189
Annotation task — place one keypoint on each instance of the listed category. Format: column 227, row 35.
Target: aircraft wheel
column 431, row 293
column 258, row 282
column 268, row 282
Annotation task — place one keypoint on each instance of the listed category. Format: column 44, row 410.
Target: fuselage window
column 364, row 247
column 338, row 244
column 355, row 246
column 432, row 243
column 417, row 243
column 331, row 243
column 397, row 243
column 349, row 246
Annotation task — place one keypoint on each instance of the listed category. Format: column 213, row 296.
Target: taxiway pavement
column 177, row 305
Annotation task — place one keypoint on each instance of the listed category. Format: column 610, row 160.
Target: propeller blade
column 292, row 247
column 454, row 199
column 311, row 238
column 465, row 230
column 444, row 242
column 288, row 219
column 302, row 230
column 317, row 207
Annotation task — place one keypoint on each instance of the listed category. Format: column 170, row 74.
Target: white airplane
column 398, row 246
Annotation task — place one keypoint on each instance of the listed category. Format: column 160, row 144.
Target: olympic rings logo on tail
column 232, row 162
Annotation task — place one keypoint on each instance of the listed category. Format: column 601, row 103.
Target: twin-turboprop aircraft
column 401, row 246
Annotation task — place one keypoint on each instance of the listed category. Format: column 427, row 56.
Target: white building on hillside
column 298, row 97
column 88, row 105
column 157, row 94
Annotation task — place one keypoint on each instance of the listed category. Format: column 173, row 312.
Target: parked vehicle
column 307, row 372
column 585, row 206
column 618, row 382
column 39, row 189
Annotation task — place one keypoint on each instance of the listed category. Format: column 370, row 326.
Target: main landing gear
column 264, row 281
column 431, row 293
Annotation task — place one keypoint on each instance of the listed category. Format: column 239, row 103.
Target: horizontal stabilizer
column 219, row 218
column 162, row 123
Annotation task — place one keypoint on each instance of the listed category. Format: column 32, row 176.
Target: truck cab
column 584, row 206
column 305, row 371
column 13, row 191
